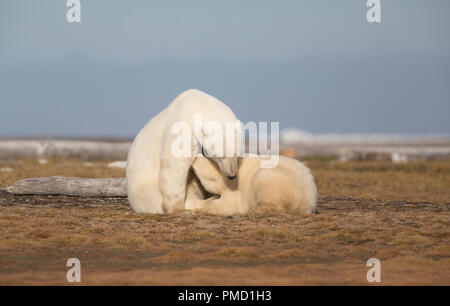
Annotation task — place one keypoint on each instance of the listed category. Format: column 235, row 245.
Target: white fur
column 156, row 179
column 287, row 187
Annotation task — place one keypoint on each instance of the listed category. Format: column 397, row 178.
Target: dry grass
column 25, row 168
column 415, row 181
column 397, row 213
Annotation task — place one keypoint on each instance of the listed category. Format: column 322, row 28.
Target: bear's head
column 223, row 143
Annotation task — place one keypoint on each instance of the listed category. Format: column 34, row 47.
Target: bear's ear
column 198, row 140
column 198, row 134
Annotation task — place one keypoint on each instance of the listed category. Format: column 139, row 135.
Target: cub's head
column 211, row 177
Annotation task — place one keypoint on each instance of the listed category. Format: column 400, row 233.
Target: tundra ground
column 398, row 213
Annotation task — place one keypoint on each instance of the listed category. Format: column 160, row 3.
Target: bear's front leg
column 172, row 182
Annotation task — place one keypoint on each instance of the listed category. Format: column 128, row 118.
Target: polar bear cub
column 156, row 177
column 287, row 187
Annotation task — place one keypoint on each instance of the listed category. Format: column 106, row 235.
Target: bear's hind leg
column 146, row 199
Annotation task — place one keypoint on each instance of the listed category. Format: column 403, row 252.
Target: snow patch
column 118, row 164
column 291, row 136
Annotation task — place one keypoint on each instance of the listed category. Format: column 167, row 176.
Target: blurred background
column 317, row 66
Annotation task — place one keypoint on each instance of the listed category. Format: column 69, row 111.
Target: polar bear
column 287, row 187
column 156, row 177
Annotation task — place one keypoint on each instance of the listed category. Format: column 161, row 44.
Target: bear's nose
column 231, row 177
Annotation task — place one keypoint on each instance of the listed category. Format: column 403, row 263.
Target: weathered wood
column 72, row 186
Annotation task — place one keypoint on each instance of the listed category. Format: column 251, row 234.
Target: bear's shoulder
column 192, row 93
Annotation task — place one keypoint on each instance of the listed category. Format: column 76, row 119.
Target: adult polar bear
column 156, row 177
column 287, row 187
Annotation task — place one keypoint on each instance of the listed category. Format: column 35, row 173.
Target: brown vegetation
column 398, row 213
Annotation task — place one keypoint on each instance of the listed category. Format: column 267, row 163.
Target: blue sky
column 315, row 65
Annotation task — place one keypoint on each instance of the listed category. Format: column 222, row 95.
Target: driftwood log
column 72, row 186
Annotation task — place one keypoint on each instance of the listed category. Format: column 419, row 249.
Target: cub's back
column 287, row 187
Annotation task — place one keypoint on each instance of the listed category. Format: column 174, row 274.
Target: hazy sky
column 316, row 65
